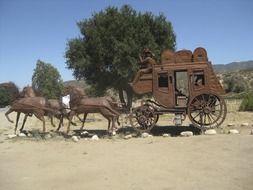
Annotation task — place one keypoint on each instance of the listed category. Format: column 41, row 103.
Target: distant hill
column 233, row 67
column 77, row 83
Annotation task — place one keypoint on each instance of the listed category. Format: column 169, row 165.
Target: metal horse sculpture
column 80, row 104
column 53, row 104
column 29, row 104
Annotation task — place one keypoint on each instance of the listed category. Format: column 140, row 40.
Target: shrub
column 235, row 84
column 247, row 103
column 4, row 97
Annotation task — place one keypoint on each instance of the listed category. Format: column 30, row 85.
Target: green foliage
column 233, row 83
column 247, row 103
column 4, row 97
column 233, row 96
column 47, row 80
column 106, row 54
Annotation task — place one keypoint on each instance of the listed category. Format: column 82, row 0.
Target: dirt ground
column 203, row 162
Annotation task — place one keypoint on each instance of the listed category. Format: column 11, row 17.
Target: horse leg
column 83, row 121
column 67, row 116
column 40, row 116
column 44, row 124
column 7, row 115
column 16, row 126
column 52, row 121
column 113, row 123
column 60, row 123
column 104, row 113
column 71, row 115
column 23, row 125
column 118, row 120
column 109, row 123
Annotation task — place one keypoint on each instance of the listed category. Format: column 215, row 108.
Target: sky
column 32, row 30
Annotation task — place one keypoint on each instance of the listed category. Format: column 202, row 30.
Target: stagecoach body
column 183, row 83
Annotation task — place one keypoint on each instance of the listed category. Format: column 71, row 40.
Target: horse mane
column 77, row 90
column 30, row 90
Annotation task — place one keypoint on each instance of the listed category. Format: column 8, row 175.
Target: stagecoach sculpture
column 183, row 83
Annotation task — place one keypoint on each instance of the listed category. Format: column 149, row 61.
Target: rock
column 75, row 138
column 245, row 124
column 11, row 136
column 21, row 135
column 85, row 133
column 144, row 135
column 113, row 133
column 230, row 125
column 150, row 135
column 210, row 132
column 186, row 134
column 128, row 137
column 94, row 138
column 251, row 132
column 48, row 136
column 166, row 135
column 233, row 131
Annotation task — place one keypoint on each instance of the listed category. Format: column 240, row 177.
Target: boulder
column 231, row 125
column 128, row 137
column 114, row 133
column 144, row 135
column 166, row 135
column 245, row 124
column 233, row 131
column 48, row 136
column 186, row 134
column 94, row 138
column 210, row 132
column 85, row 133
column 21, row 135
column 10, row 136
column 75, row 138
column 251, row 132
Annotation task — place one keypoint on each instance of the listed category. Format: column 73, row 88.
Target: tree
column 9, row 92
column 234, row 83
column 4, row 97
column 106, row 54
column 47, row 80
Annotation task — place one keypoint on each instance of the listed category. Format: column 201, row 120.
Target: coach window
column 163, row 80
column 199, row 79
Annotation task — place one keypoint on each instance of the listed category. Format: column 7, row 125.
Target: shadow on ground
column 102, row 133
column 156, row 131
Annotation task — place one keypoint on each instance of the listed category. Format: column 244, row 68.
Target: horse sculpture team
column 29, row 103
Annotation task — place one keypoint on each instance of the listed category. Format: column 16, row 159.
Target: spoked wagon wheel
column 207, row 111
column 143, row 118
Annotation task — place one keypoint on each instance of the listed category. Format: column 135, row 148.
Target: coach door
column 163, row 87
column 181, row 90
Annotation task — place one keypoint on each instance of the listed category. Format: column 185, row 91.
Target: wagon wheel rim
column 207, row 111
column 143, row 118
column 152, row 107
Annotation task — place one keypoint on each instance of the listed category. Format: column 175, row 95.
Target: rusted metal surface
column 27, row 103
column 183, row 83
column 81, row 104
